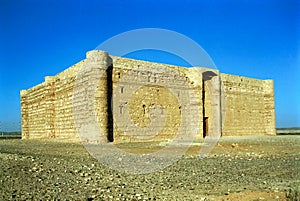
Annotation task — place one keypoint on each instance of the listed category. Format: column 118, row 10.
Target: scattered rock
column 38, row 176
column 234, row 145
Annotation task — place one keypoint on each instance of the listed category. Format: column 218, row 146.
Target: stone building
column 132, row 100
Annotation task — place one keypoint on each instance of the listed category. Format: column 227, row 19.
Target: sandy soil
column 238, row 168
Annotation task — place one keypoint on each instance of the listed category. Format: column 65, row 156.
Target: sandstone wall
column 211, row 96
column 109, row 98
column 47, row 109
column 37, row 111
column 60, row 107
column 248, row 107
column 155, row 101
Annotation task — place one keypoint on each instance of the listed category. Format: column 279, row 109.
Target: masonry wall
column 131, row 100
column 248, row 107
column 63, row 120
column 47, row 108
column 154, row 101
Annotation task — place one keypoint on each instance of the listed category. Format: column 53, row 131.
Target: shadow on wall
column 109, row 92
column 206, row 76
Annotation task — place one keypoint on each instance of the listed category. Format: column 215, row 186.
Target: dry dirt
column 238, row 168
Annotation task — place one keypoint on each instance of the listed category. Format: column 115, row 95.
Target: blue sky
column 258, row 39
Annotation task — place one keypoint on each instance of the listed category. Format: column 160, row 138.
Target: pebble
column 84, row 178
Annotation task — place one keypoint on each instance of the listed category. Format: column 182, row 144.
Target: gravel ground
column 238, row 168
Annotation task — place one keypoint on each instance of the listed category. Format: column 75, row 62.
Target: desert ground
column 238, row 168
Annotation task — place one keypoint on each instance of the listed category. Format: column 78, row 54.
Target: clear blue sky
column 258, row 39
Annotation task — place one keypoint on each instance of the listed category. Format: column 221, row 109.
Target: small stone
column 234, row 145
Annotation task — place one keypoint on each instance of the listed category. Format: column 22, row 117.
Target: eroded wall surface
column 249, row 106
column 132, row 100
column 155, row 101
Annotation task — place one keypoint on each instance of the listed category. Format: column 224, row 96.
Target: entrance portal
column 205, row 126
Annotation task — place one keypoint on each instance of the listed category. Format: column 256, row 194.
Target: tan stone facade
column 132, row 100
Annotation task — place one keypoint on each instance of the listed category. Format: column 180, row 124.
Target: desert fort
column 134, row 100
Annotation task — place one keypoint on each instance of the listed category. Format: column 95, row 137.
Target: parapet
column 49, row 78
column 23, row 93
column 96, row 55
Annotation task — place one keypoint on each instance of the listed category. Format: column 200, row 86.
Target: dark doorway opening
column 110, row 130
column 207, row 77
column 205, row 126
column 205, row 119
